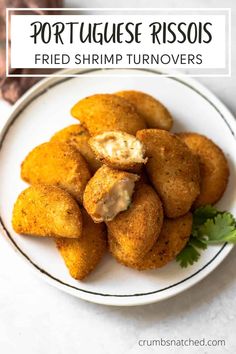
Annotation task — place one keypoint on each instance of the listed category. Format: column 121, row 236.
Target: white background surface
column 36, row 318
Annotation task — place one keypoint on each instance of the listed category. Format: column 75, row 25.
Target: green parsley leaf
column 210, row 226
column 202, row 214
column 188, row 256
column 218, row 230
column 195, row 242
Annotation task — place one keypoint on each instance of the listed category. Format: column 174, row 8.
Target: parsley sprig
column 210, row 226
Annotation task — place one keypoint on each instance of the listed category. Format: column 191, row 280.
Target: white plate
column 44, row 110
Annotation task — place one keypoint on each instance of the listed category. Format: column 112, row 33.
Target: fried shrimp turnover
column 134, row 231
column 153, row 111
column 119, row 150
column 43, row 210
column 57, row 163
column 214, row 170
column 108, row 193
column 174, row 236
column 173, row 170
column 82, row 255
column 105, row 112
column 77, row 136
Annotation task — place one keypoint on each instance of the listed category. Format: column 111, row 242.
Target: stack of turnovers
column 118, row 180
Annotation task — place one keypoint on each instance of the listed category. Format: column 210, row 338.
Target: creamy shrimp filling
column 117, row 200
column 120, row 146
